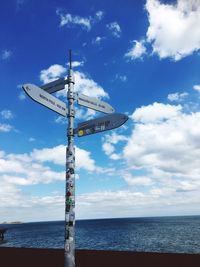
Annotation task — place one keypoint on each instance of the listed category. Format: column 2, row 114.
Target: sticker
column 70, row 223
column 69, row 194
column 80, row 133
column 67, row 217
column 67, row 246
column 68, row 207
column 71, row 170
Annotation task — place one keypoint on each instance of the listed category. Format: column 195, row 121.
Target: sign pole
column 69, row 246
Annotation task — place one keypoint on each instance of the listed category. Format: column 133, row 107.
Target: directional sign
column 105, row 123
column 44, row 98
column 94, row 103
column 54, row 86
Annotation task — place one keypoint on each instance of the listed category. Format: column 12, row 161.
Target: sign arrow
column 54, row 86
column 44, row 98
column 94, row 103
column 102, row 124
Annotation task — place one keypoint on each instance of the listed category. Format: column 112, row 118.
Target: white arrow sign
column 44, row 98
column 94, row 103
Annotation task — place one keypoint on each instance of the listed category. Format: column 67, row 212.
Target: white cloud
column 57, row 155
column 99, row 15
column 125, row 203
column 85, row 85
column 77, row 64
column 5, row 54
column 156, row 112
column 122, row 78
column 114, row 138
column 169, row 148
column 114, row 28
column 85, row 113
column 109, row 141
column 174, row 28
column 108, row 148
column 178, row 97
column 98, row 40
column 31, row 139
column 52, row 73
column 22, row 96
column 137, row 180
column 197, row 88
column 61, row 120
column 5, row 127
column 6, row 114
column 137, row 51
column 84, row 22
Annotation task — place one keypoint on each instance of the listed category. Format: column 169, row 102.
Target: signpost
column 43, row 96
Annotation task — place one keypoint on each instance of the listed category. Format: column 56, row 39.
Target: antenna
column 70, row 59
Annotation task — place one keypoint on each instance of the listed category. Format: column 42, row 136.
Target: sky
column 141, row 57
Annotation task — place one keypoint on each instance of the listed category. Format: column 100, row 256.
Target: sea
column 156, row 234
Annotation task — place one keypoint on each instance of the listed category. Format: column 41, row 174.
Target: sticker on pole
column 94, row 103
column 45, row 99
column 102, row 124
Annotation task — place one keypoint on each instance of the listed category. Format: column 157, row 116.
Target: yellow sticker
column 80, row 133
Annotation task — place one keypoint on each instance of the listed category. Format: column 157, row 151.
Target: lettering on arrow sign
column 45, row 99
column 105, row 123
column 94, row 103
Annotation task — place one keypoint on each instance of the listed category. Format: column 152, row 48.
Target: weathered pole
column 70, row 175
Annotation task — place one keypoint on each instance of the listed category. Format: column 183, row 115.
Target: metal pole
column 70, row 176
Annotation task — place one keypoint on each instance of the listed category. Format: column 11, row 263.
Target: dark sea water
column 160, row 234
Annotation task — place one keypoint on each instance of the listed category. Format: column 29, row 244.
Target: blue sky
column 143, row 58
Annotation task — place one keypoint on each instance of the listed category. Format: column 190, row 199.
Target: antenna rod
column 70, row 59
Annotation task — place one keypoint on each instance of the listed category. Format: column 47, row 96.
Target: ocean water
column 158, row 234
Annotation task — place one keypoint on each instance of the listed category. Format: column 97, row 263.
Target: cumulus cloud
column 57, row 156
column 177, row 97
column 108, row 142
column 6, row 114
column 173, row 28
column 137, row 180
column 74, row 20
column 87, row 86
column 83, row 83
column 156, row 112
column 197, row 88
column 22, row 96
column 52, row 73
column 108, row 148
column 29, row 169
column 167, row 148
column 122, row 78
column 114, row 28
column 98, row 40
column 126, row 203
column 77, row 64
column 85, row 113
column 5, row 127
column 137, row 51
column 5, row 54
